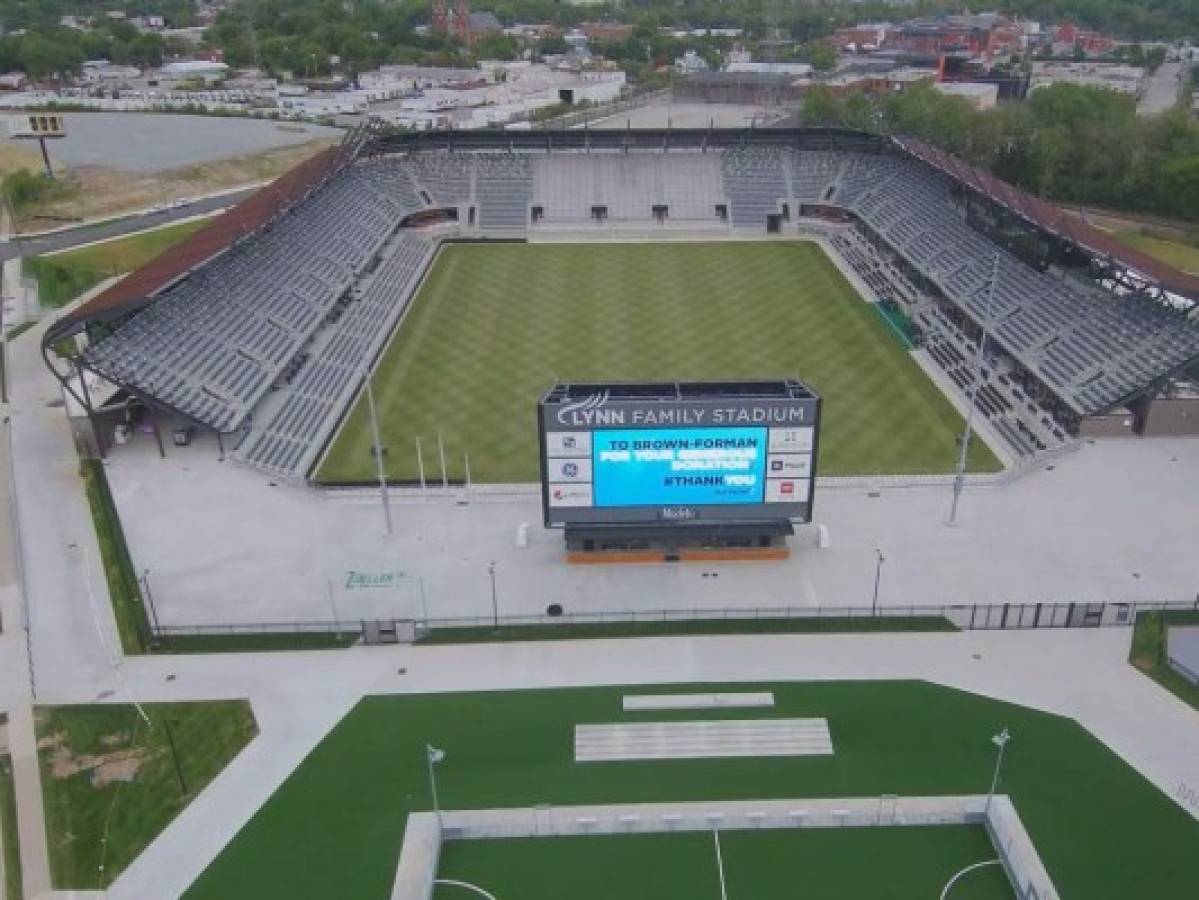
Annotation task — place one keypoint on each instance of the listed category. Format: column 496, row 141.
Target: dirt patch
column 102, row 769
column 99, row 191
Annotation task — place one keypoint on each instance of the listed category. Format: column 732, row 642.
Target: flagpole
column 429, row 759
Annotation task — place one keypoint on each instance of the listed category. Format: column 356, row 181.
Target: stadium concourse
column 222, row 545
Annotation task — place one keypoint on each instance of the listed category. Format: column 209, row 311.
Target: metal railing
column 967, row 617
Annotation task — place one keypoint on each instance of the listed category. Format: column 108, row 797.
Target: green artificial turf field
column 495, row 325
column 905, row 863
column 334, row 828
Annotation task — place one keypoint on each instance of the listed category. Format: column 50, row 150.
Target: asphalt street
column 17, row 245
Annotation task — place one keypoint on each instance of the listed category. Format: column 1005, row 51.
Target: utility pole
column 959, row 479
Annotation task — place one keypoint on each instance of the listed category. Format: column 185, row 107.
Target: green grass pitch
column 334, row 828
column 903, row 863
column 495, row 325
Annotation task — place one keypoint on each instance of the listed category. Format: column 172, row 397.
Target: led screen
column 679, row 466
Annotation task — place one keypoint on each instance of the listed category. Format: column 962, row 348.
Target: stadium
column 461, row 330
column 261, row 327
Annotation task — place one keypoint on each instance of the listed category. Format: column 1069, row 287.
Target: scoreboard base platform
column 678, row 543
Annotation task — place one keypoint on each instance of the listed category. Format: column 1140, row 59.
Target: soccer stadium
column 262, row 326
column 738, row 375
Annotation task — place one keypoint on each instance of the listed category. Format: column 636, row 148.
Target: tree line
column 1069, row 143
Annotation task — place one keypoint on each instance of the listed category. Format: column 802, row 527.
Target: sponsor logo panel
column 568, row 443
column 787, row 490
column 570, row 495
column 789, row 465
column 791, row 440
column 569, row 469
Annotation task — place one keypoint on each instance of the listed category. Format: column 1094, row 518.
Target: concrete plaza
column 224, row 544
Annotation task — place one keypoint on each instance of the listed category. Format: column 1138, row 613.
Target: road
column 1161, row 89
column 14, row 246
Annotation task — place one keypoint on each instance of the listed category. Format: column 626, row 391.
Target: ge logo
column 570, row 470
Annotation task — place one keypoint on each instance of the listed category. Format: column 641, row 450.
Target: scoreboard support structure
column 671, row 471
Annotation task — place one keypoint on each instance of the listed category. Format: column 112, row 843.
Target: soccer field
column 903, row 863
column 495, row 325
column 335, row 826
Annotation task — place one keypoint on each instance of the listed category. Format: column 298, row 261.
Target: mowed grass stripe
column 495, row 325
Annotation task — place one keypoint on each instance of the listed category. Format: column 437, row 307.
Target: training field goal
column 973, row 829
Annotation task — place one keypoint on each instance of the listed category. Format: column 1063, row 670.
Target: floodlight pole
column 433, row 783
column 959, row 478
column 1001, row 741
column 878, row 574
column 495, row 605
column 370, row 402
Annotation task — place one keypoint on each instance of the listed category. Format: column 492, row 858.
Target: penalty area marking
column 952, row 881
column 465, row 884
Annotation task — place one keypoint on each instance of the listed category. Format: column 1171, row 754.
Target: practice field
column 904, row 863
column 495, row 325
column 335, row 827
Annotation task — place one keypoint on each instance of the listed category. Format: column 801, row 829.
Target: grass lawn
column 11, row 886
column 133, row 626
column 61, row 277
column 588, row 630
column 1179, row 254
column 495, row 325
column 111, row 783
column 905, row 863
column 334, row 828
column 1148, row 652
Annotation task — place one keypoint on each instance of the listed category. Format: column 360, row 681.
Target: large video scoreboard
column 678, row 453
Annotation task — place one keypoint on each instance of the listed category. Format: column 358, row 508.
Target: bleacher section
column 308, row 408
column 755, row 184
column 505, row 190
column 566, row 187
column 264, row 326
column 212, row 345
column 1025, row 425
column 1092, row 347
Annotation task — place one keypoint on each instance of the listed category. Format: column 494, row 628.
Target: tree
column 819, row 55
column 820, row 107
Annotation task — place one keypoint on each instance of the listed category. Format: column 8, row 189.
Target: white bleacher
column 567, row 186
column 504, row 188
column 703, row 739
column 755, row 182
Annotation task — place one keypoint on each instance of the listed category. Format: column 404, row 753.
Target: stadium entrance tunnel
column 678, row 543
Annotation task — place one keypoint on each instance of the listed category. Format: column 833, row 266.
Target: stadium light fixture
column 1001, row 741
